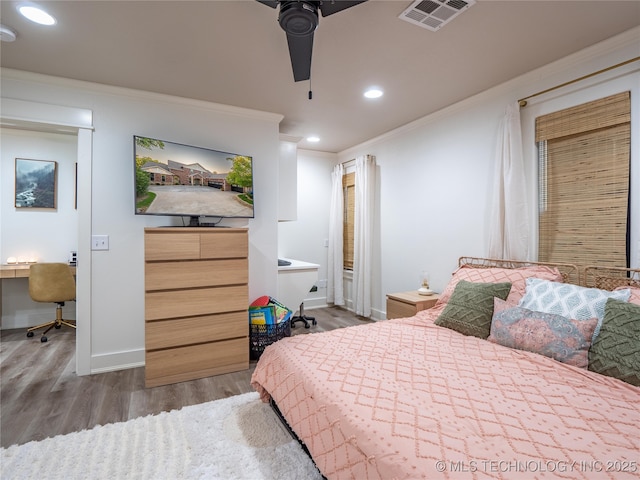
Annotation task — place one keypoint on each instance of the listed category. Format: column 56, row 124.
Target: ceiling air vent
column 433, row 14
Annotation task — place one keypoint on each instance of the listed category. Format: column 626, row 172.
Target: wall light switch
column 99, row 242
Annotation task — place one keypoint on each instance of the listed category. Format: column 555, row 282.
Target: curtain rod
column 523, row 101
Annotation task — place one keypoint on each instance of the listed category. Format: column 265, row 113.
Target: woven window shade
column 584, row 156
column 606, row 112
column 349, row 186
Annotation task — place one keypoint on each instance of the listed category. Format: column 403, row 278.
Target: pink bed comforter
column 405, row 398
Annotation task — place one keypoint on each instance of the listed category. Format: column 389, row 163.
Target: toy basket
column 261, row 336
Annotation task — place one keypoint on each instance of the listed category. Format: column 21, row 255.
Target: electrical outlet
column 99, row 242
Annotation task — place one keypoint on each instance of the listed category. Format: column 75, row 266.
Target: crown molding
column 101, row 89
column 604, row 54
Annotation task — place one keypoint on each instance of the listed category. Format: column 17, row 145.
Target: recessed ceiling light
column 36, row 14
column 373, row 92
column 6, row 34
column 313, row 139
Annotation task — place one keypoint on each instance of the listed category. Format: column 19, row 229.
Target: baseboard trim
column 311, row 303
column 113, row 362
column 376, row 314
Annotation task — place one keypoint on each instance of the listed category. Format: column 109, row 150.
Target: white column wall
column 305, row 238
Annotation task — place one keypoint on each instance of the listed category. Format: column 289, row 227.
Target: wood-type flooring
column 41, row 396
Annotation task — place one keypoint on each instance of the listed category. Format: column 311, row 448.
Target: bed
column 416, row 398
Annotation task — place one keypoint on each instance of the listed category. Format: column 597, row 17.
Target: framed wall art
column 35, row 183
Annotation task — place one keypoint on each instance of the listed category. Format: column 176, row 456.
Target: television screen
column 182, row 180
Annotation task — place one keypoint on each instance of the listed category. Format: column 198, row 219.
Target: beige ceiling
column 234, row 52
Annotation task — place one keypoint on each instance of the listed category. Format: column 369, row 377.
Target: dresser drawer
column 201, row 273
column 171, row 246
column 224, row 245
column 188, row 331
column 200, row 301
column 195, row 361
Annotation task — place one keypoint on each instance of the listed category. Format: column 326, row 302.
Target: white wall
column 435, row 174
column 304, row 239
column 46, row 235
column 117, row 275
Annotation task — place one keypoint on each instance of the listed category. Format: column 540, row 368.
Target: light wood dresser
column 196, row 300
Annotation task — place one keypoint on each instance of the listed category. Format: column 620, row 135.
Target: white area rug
column 235, row 438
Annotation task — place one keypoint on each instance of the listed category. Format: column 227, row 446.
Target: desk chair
column 51, row 283
column 303, row 318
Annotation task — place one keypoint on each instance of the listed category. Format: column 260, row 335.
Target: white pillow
column 571, row 301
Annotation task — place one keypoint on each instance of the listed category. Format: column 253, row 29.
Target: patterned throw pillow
column 470, row 308
column 568, row 300
column 547, row 334
column 616, row 351
column 516, row 276
column 635, row 294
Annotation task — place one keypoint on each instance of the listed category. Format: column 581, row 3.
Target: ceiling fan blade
column 329, row 7
column 269, row 3
column 299, row 19
column 300, row 48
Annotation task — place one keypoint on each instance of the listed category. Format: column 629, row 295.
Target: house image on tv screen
column 175, row 179
column 176, row 173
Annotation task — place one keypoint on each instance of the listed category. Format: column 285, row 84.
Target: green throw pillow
column 470, row 308
column 616, row 350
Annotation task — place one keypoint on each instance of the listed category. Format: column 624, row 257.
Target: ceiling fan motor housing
column 298, row 17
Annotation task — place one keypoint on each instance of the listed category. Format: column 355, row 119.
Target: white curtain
column 363, row 234
column 509, row 230
column 335, row 264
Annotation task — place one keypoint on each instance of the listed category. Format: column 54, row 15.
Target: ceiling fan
column 299, row 19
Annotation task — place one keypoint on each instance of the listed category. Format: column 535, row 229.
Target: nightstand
column 407, row 304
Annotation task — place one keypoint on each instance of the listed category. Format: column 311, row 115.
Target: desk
column 20, row 270
column 295, row 281
column 18, row 310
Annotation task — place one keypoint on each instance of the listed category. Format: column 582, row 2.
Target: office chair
column 51, row 283
column 303, row 318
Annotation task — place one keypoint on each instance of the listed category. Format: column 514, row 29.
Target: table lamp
column 424, row 284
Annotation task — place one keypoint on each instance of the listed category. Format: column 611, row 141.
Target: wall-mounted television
column 188, row 181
